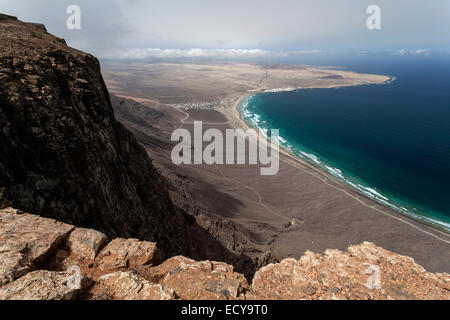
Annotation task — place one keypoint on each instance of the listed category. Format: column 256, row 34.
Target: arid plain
column 260, row 218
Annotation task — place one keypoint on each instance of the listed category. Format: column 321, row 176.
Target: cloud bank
column 418, row 52
column 275, row 27
column 157, row 53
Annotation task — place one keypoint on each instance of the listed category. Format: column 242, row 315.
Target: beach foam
column 256, row 121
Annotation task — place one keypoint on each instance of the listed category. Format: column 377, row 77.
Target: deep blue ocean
column 390, row 141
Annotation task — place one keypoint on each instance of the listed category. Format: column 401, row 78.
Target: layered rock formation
column 41, row 258
column 63, row 154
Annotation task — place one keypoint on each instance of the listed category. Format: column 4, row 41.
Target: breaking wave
column 256, row 121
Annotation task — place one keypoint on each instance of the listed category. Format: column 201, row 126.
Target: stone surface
column 40, row 285
column 13, row 265
column 128, row 253
column 25, row 241
column 205, row 280
column 86, row 243
column 363, row 272
column 128, row 286
column 129, row 269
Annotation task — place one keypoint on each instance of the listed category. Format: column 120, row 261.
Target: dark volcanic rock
column 6, row 17
column 62, row 153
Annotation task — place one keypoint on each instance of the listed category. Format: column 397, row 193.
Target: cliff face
column 39, row 258
column 63, row 154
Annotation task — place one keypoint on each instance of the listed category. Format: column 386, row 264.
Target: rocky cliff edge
column 41, row 258
column 64, row 156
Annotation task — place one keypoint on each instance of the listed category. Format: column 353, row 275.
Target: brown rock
column 128, row 286
column 25, row 241
column 30, row 242
column 205, row 280
column 124, row 253
column 86, row 243
column 13, row 265
column 40, row 285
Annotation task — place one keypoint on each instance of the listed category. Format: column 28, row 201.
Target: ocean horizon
column 390, row 142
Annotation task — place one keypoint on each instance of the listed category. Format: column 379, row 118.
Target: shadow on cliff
column 206, row 247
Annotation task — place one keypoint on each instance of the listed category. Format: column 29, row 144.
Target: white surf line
column 362, row 202
column 337, row 188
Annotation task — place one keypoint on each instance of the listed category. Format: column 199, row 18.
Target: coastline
column 282, row 216
column 236, row 120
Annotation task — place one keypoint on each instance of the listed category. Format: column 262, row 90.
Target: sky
column 173, row 28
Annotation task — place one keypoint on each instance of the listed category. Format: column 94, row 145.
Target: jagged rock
column 7, row 17
column 205, row 280
column 25, row 241
column 85, row 243
column 39, row 26
column 128, row 286
column 128, row 253
column 41, row 285
column 13, row 265
column 363, row 272
column 63, row 155
column 82, row 245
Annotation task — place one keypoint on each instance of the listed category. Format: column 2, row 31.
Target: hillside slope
column 62, row 153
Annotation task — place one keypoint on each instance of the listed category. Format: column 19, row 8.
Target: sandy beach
column 234, row 116
column 265, row 218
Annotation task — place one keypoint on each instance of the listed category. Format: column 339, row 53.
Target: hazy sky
column 114, row 27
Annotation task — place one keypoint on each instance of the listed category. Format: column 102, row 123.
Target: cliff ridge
column 42, row 258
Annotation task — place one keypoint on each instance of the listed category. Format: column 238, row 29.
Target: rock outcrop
column 41, row 258
column 64, row 157
column 62, row 153
column 362, row 272
column 40, row 285
column 128, row 286
column 26, row 241
column 190, row 279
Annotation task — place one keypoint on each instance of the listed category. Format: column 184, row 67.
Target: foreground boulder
column 124, row 253
column 41, row 285
column 363, row 272
column 205, row 280
column 128, row 286
column 86, row 243
column 44, row 259
column 26, row 241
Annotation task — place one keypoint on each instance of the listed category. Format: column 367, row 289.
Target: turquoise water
column 390, row 141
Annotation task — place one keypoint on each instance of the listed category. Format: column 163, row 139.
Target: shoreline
column 234, row 116
column 282, row 216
